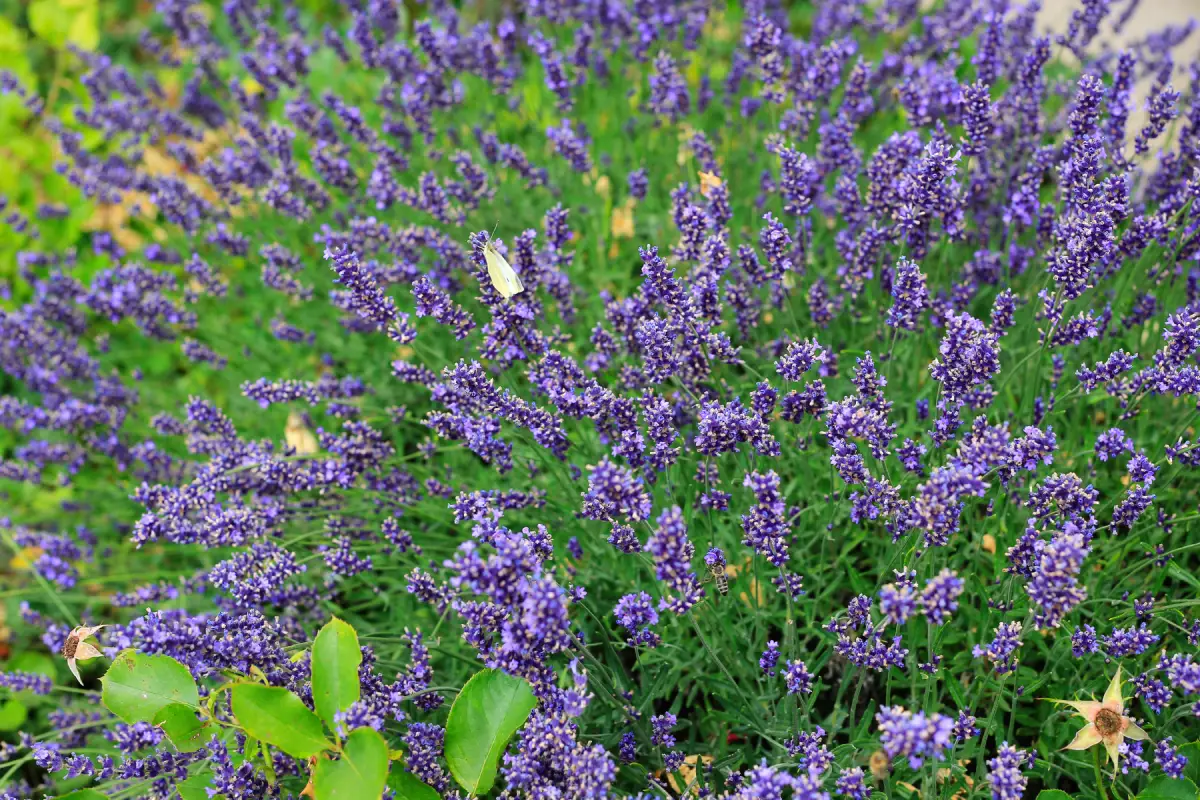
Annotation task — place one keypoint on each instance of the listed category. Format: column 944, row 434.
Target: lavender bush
column 844, row 415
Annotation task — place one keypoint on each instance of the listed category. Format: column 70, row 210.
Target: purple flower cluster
column 917, row 737
column 918, row 330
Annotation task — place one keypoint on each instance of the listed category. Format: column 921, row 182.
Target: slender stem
column 1099, row 775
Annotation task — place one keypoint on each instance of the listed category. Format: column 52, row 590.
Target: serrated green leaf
column 408, row 787
column 360, row 774
column 336, row 657
column 185, row 730
column 137, row 686
column 1164, row 788
column 485, row 715
column 278, row 717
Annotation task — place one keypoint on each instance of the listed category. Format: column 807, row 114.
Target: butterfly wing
column 495, row 268
column 504, row 278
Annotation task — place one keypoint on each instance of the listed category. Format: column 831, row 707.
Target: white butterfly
column 299, row 437
column 505, row 279
column 76, row 649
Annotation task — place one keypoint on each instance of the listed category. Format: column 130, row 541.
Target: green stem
column 1099, row 775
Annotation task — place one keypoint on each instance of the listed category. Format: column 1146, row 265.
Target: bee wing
column 86, row 650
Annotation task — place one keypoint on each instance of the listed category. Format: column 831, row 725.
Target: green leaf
column 278, row 717
column 196, row 787
column 33, row 662
column 268, row 764
column 185, row 730
column 14, row 56
column 360, row 773
column 956, row 691
column 1053, row 794
column 408, row 787
column 137, row 686
column 1164, row 788
column 62, row 22
column 12, row 715
column 1178, row 573
column 83, row 794
column 84, row 29
column 1191, row 751
column 336, row 657
column 485, row 715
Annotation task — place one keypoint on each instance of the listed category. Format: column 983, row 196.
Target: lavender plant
column 604, row 399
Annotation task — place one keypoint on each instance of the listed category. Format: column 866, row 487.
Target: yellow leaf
column 25, row 557
column 62, row 22
column 84, row 30
column 687, row 771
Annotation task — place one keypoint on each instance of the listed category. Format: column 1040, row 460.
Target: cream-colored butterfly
column 299, row 437
column 505, row 279
column 708, row 182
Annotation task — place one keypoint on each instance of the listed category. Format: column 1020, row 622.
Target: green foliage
column 280, row 718
column 408, row 787
column 840, row 559
column 185, row 730
column 13, row 714
column 195, row 788
column 63, row 22
column 361, row 772
column 485, row 715
column 138, row 686
column 1164, row 788
column 335, row 660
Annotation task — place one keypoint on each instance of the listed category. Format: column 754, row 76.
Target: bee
column 505, row 279
column 714, row 559
column 720, row 579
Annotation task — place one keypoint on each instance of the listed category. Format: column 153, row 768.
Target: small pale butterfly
column 708, row 182
column 505, row 279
